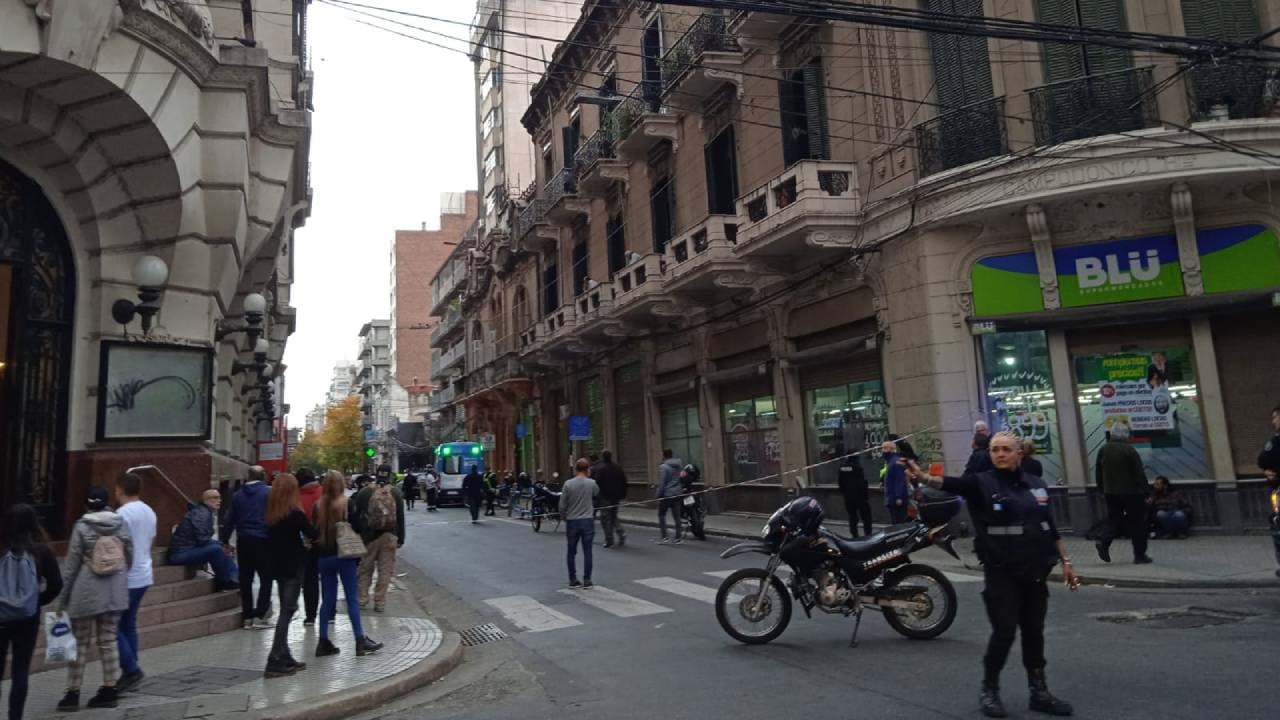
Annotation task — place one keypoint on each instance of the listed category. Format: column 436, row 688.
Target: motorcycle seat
column 877, row 543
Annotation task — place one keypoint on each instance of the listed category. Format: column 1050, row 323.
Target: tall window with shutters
column 521, row 313
column 662, row 207
column 722, row 174
column 803, row 106
column 617, row 243
column 580, row 261
column 1231, row 89
column 550, row 288
column 969, row 124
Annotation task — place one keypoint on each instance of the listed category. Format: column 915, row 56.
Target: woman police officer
column 1019, row 545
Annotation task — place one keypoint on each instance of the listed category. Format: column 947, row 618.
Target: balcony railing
column 528, row 340
column 443, row 362
column 532, row 215
column 1229, row 91
column 714, row 236
column 624, row 116
column 597, row 147
column 560, row 185
column 1114, row 102
column 710, row 32
column 451, row 320
column 442, row 397
column 962, row 136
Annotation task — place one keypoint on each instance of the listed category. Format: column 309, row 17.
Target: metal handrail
column 164, row 477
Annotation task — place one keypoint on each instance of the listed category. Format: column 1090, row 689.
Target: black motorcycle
column 841, row 576
column 1275, row 521
column 545, row 504
column 693, row 512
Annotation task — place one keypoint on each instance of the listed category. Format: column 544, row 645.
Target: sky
column 393, row 128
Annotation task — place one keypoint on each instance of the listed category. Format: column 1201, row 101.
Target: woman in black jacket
column 22, row 547
column 286, row 557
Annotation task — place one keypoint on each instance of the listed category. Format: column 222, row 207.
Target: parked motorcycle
column 1275, row 522
column 545, row 504
column 692, row 510
column 841, row 576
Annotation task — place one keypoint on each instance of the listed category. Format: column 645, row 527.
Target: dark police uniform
column 1269, row 459
column 1016, row 538
column 857, row 501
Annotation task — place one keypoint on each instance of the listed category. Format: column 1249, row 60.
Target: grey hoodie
column 669, row 478
column 83, row 593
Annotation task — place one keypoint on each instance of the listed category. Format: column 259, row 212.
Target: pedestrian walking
column 612, row 481
column 195, row 542
column 1019, row 545
column 95, row 591
column 1123, row 481
column 1269, row 463
column 669, row 490
column 287, row 525
column 1029, row 464
column 473, row 492
column 895, row 483
column 980, row 457
column 409, row 489
column 141, row 520
column 577, row 505
column 379, row 510
column 330, row 512
column 26, row 563
column 310, row 490
column 490, row 492
column 433, row 490
column 247, row 519
column 857, row 496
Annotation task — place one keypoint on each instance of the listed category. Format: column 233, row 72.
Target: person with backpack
column 379, row 513
column 309, row 493
column 95, row 592
column 141, row 520
column 286, row 556
column 333, row 515
column 25, row 562
column 247, row 519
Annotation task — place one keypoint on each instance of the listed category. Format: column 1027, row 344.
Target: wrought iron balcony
column 1092, row 105
column 639, row 122
column 451, row 321
column 1229, row 91
column 962, row 136
column 598, row 146
column 596, row 161
column 561, row 195
column 708, row 34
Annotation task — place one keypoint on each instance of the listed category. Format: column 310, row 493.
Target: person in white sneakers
column 141, row 520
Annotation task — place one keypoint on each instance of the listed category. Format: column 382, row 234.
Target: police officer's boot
column 1041, row 700
column 989, row 699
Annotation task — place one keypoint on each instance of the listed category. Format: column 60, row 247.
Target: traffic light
column 370, row 452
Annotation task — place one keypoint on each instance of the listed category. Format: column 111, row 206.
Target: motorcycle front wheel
column 537, row 521
column 934, row 596
column 739, row 614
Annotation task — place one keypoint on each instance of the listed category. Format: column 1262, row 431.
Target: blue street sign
column 519, row 431
column 370, row 435
column 579, row 427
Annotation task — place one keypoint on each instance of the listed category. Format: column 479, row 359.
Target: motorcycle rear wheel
column 728, row 606
column 537, row 522
column 933, row 583
column 698, row 528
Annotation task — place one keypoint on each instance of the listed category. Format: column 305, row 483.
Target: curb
column 1091, row 580
column 371, row 695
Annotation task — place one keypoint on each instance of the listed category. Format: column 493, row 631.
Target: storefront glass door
column 1019, row 389
column 753, row 448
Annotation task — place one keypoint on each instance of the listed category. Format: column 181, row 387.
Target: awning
column 674, row 388
column 1124, row 313
column 830, row 351
column 745, row 372
column 494, row 388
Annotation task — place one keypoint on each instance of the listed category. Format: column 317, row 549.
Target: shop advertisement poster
column 1134, row 391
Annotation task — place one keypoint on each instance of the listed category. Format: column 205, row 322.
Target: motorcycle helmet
column 803, row 515
column 690, row 474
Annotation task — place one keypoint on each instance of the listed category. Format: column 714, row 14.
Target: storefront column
column 652, row 421
column 1069, row 434
column 788, row 400
column 1214, row 416
column 610, row 416
column 714, row 472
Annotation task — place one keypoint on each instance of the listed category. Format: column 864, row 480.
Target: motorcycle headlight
column 764, row 533
column 1275, row 501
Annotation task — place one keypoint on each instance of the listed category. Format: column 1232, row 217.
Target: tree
column 342, row 440
column 309, row 453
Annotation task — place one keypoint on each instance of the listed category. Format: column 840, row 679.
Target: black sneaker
column 1104, row 551
column 277, row 670
column 129, row 681
column 1142, row 560
column 107, row 697
column 573, row 583
column 309, row 622
column 297, row 666
column 587, row 585
column 367, row 646
column 325, row 648
column 70, row 702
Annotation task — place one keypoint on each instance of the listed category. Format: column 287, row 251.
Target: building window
column 1019, row 388
column 1154, row 392
column 617, row 244
column 491, row 120
column 803, row 106
column 752, row 446
column 550, row 289
column 651, row 50
column 548, row 162
column 843, row 419
column 722, row 174
column 520, row 310
column 629, row 412
column 591, row 399
column 492, row 160
column 662, row 209
column 581, row 264
column 682, row 433
column 490, row 80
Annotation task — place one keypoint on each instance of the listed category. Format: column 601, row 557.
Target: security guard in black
column 1018, row 543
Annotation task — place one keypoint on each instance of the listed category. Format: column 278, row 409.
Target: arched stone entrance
column 37, row 307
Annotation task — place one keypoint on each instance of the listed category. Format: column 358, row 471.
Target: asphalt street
column 646, row 644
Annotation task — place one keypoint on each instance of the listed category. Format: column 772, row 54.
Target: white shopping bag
column 60, row 642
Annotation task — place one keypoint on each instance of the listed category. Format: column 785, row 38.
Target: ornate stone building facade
column 160, row 129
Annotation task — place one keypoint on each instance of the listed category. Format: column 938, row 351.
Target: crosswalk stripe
column 683, row 588
column 529, row 614
column 722, row 574
column 616, row 603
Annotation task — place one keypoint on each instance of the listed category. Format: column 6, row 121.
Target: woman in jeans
column 286, row 526
column 22, row 538
column 329, row 511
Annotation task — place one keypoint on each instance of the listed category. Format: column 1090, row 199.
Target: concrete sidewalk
column 1207, row 561
column 221, row 676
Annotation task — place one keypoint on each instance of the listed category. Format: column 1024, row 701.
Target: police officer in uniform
column 1018, row 543
column 1269, row 462
column 857, row 498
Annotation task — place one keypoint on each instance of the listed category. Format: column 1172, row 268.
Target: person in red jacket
column 309, row 492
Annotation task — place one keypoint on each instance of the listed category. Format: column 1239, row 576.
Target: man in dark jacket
column 895, row 483
column 1123, row 480
column 473, row 492
column 613, row 489
column 247, row 518
column 980, row 459
column 853, row 487
column 669, row 492
column 195, row 542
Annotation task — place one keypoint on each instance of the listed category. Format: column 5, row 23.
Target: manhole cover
column 481, row 634
column 1182, row 618
column 196, row 680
